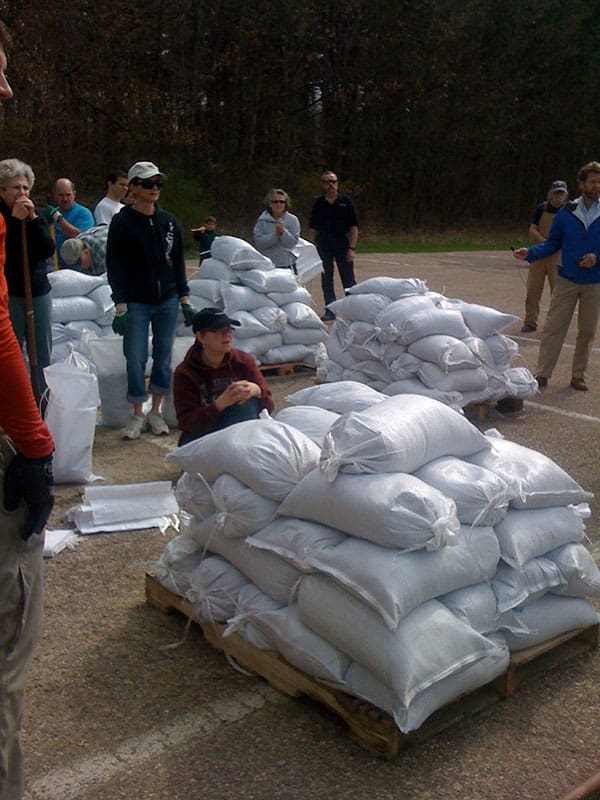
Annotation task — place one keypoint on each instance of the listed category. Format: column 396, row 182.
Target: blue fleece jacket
column 570, row 234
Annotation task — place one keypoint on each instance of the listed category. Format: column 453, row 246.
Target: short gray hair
column 11, row 168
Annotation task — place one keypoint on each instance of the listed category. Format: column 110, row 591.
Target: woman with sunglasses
column 276, row 232
column 146, row 271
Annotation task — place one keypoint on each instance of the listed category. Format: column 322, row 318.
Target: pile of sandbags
column 399, row 338
column 80, row 303
column 278, row 323
column 381, row 549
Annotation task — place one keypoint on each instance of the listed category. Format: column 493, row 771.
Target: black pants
column 338, row 252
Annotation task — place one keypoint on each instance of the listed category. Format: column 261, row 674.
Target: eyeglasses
column 277, row 202
column 330, row 181
column 148, row 183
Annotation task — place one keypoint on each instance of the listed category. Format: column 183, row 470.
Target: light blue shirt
column 587, row 215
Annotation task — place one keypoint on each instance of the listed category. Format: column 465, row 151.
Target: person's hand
column 279, row 228
column 121, row 321
column 237, row 392
column 520, row 254
column 201, row 229
column 351, row 253
column 52, row 214
column 23, row 208
column 588, row 260
column 30, row 480
column 189, row 312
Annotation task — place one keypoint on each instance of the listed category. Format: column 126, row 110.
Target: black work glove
column 31, row 480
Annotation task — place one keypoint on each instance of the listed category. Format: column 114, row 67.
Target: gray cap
column 559, row 186
column 71, row 251
column 144, row 169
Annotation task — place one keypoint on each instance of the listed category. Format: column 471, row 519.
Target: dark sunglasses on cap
column 150, row 183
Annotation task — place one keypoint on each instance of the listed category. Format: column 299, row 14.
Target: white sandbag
column 242, row 298
column 239, row 254
column 414, row 386
column 578, row 570
column 299, row 295
column 177, row 563
column 194, row 495
column 65, row 309
column 239, row 511
column 404, row 365
column 306, row 336
column 206, row 287
column 526, row 534
column 400, row 434
column 482, row 352
column 484, row 321
column 102, row 296
column 370, row 372
column 537, row 480
column 274, row 280
column 340, row 397
column 106, row 355
column 447, row 352
column 272, row 318
column 475, row 605
column 502, row 349
column 472, row 379
column 481, row 496
column 199, row 302
column 266, row 455
column 548, row 617
column 213, row 268
column 514, row 586
column 302, row 316
column 393, row 583
column 365, row 348
column 250, row 601
column 313, row 421
column 394, row 288
column 362, row 683
column 250, row 326
column 80, row 325
column 337, row 349
column 513, row 382
column 300, row 646
column 392, row 319
column 329, row 371
column 294, row 539
column 71, row 413
column 72, row 283
column 257, row 345
column 391, row 351
column 285, row 353
column 429, row 645
column 275, row 577
column 392, row 509
column 213, row 590
column 363, row 307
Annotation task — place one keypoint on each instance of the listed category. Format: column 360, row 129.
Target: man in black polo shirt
column 333, row 217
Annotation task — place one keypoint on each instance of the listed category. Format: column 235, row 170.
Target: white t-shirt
column 105, row 210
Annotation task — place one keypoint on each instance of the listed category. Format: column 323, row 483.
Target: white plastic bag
column 73, row 402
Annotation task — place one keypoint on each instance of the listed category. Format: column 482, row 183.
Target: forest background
column 435, row 114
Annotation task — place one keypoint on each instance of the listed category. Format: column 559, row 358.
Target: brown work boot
column 579, row 384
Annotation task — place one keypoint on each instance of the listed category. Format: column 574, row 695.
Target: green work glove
column 121, row 321
column 189, row 312
column 52, row 214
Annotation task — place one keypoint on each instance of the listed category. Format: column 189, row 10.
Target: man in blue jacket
column 576, row 229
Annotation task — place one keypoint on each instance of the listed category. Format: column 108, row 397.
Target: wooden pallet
column 372, row 728
column 507, row 405
column 285, row 370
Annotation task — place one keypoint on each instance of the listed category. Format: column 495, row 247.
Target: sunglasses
column 277, row 202
column 329, row 181
column 149, row 183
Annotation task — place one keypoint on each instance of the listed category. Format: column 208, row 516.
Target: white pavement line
column 562, row 412
column 73, row 781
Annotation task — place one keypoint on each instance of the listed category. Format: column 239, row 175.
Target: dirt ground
column 112, row 714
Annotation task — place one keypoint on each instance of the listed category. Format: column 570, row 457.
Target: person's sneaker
column 528, row 328
column 541, row 381
column 135, row 427
column 579, row 384
column 157, row 424
column 328, row 316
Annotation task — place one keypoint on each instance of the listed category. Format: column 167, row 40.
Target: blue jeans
column 162, row 318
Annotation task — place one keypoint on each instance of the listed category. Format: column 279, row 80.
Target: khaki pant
column 21, row 586
column 565, row 297
column 536, row 276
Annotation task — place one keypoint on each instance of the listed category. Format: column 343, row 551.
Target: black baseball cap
column 212, row 319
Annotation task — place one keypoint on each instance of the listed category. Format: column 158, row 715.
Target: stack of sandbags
column 278, row 323
column 378, row 517
column 399, row 338
column 80, row 303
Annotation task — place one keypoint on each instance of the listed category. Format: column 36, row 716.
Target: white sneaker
column 157, row 424
column 135, row 427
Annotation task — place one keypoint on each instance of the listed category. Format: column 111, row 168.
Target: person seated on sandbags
column 86, row 252
column 216, row 385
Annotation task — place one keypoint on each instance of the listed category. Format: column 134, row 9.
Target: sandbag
column 239, row 254
column 340, row 396
column 313, row 421
column 274, row 280
column 548, row 617
column 525, row 534
column 194, row 495
column 472, row 379
column 400, row 434
column 73, row 283
column 299, row 295
column 395, row 315
column 206, row 287
column 294, row 539
column 213, row 268
column 302, row 316
column 447, row 352
column 394, row 288
column 414, row 386
column 213, row 590
column 257, row 345
column 515, row 586
column 362, row 307
column 578, row 570
column 272, row 318
column 475, row 605
column 284, row 353
column 242, row 298
column 239, row 511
